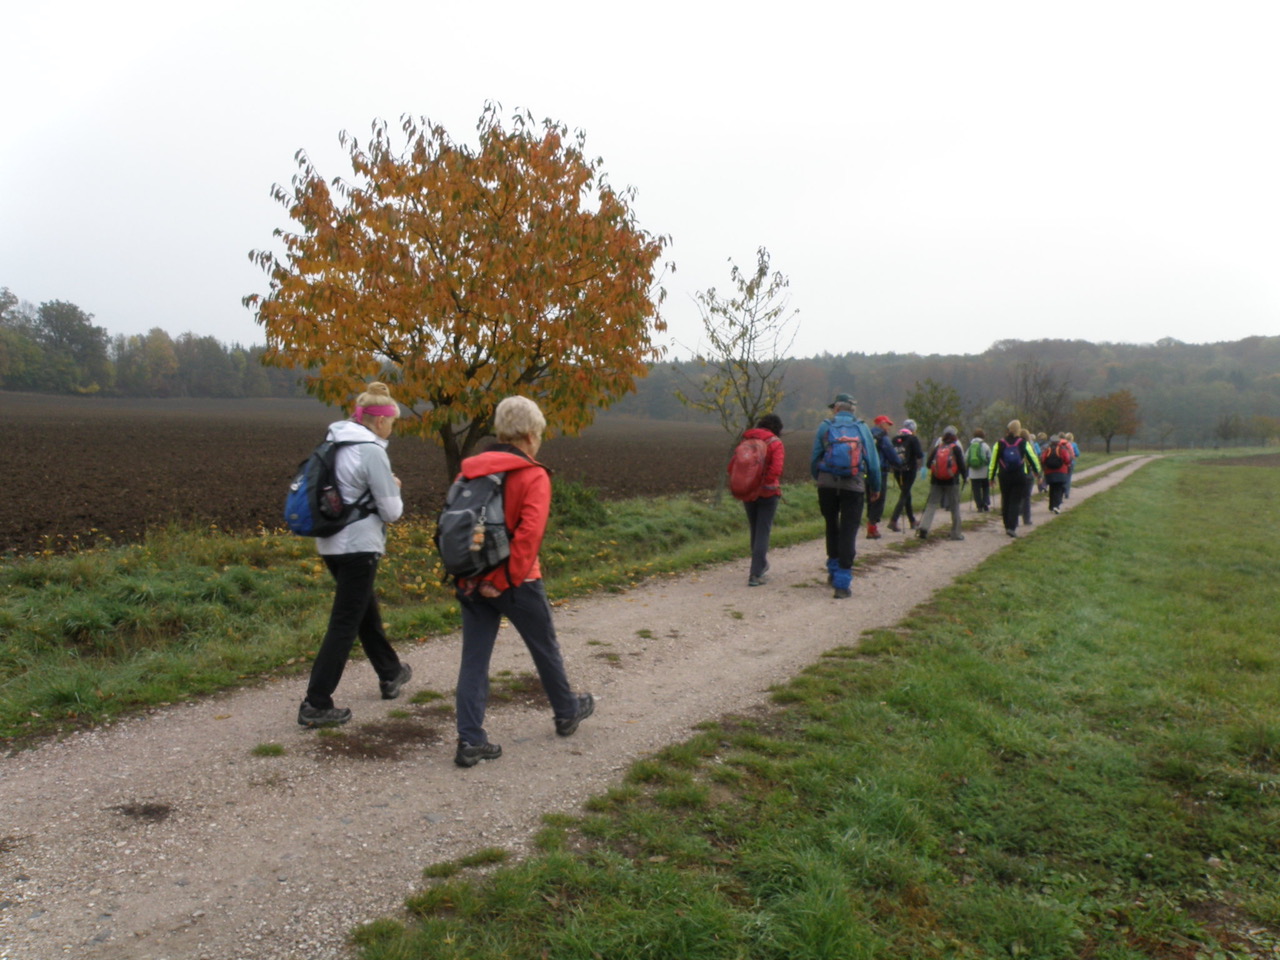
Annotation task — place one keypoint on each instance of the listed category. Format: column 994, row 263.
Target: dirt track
column 165, row 837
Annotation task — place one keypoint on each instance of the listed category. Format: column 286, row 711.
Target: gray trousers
column 946, row 496
column 527, row 608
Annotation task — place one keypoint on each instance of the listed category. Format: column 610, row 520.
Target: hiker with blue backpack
column 1013, row 461
column 364, row 480
column 513, row 588
column 846, row 466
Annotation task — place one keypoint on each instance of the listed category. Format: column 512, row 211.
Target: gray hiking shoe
column 391, row 688
column 309, row 716
column 469, row 754
column 565, row 726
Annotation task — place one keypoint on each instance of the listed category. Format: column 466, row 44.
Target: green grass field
column 1073, row 751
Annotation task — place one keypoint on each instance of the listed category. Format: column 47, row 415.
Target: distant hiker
column 1057, row 461
column 948, row 472
column 1012, row 461
column 352, row 556
column 514, row 589
column 1034, row 482
column 912, row 455
column 889, row 461
column 847, row 467
column 765, row 490
column 978, row 458
column 1071, row 471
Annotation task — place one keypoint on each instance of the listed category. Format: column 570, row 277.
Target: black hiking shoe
column 842, row 593
column 469, row 754
column 565, row 726
column 391, row 688
column 309, row 716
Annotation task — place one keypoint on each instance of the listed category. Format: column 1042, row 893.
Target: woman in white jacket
column 352, row 556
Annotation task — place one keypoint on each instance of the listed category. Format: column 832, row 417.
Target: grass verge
column 1073, row 751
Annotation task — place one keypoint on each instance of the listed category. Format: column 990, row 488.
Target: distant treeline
column 56, row 348
column 1187, row 394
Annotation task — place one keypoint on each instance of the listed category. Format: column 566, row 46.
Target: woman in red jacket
column 761, row 509
column 514, row 589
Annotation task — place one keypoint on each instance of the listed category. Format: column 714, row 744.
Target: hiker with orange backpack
column 755, row 478
column 948, row 472
column 1056, row 460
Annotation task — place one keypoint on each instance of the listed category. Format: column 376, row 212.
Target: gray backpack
column 471, row 531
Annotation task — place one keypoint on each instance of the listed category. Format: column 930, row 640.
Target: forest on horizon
column 1187, row 394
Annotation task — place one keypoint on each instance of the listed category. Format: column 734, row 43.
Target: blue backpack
column 313, row 507
column 842, row 456
column 1011, row 455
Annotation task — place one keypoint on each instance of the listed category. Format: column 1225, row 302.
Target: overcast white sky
column 931, row 176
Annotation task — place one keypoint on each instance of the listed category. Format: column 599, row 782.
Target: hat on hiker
column 909, row 425
column 882, row 420
column 843, row 398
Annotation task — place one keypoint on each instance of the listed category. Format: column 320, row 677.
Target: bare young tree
column 738, row 377
column 1041, row 395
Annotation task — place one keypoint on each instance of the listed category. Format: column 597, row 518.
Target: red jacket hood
column 495, row 461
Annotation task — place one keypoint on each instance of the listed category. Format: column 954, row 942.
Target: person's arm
column 775, row 455
column 818, row 446
column 383, row 484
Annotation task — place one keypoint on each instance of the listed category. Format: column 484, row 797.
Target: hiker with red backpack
column 1057, row 460
column 948, row 472
column 755, row 478
column 847, row 467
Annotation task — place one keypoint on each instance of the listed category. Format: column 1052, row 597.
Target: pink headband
column 386, row 410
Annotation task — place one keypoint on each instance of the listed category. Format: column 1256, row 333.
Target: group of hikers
column 852, row 463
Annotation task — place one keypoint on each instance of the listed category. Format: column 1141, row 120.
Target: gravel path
column 165, row 836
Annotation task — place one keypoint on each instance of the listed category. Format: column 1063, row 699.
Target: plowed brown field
column 74, row 470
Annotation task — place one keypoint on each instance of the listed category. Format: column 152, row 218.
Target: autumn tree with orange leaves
column 461, row 275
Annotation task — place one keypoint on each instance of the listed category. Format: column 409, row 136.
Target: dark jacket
column 957, row 453
column 889, row 459
column 1030, row 462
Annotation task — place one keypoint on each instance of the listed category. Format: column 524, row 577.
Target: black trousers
column 842, row 510
column 355, row 614
column 905, row 482
column 1013, row 487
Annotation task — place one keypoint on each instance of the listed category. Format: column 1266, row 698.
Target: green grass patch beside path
column 1073, row 751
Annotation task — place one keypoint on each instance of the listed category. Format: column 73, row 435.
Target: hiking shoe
column 956, row 536
column 309, row 716
column 922, row 533
column 1012, row 533
column 391, row 688
column 586, row 706
column 842, row 593
column 893, row 525
column 469, row 754
column 759, row 581
column 873, row 532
